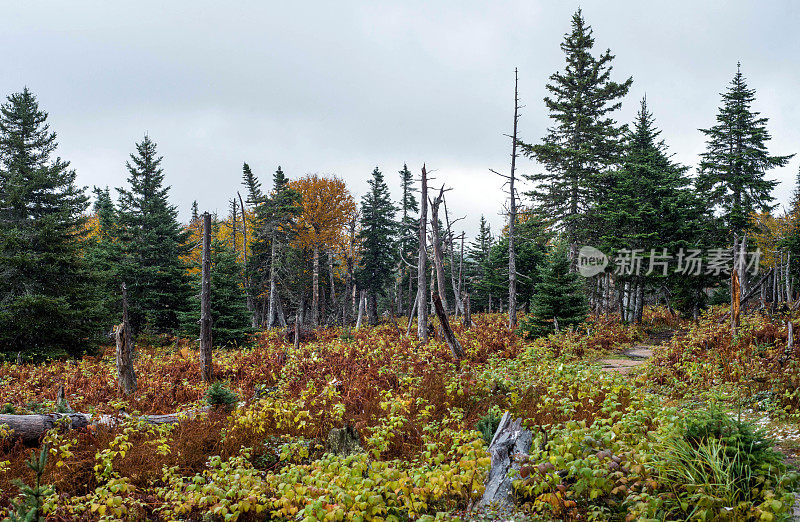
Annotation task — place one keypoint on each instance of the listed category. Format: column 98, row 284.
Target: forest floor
column 605, row 403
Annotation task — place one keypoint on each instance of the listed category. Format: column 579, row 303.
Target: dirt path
column 636, row 356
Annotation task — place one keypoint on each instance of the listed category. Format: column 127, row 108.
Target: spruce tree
column 378, row 235
column 559, row 297
column 793, row 239
column 273, row 228
column 103, row 254
column 477, row 266
column 531, row 250
column 47, row 300
column 409, row 225
column 153, row 244
column 732, row 169
column 584, row 140
column 647, row 206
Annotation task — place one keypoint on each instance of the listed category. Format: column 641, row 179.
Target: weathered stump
column 510, row 445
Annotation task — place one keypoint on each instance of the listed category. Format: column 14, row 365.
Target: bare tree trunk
column 467, row 312
column 512, row 217
column 639, row 302
column 422, row 262
column 247, row 290
column 452, row 342
column 279, row 311
column 333, row 282
column 411, row 316
column 361, row 299
column 315, row 289
column 296, row 332
column 273, row 286
column 125, row 371
column 451, row 252
column 437, row 248
column 205, row 303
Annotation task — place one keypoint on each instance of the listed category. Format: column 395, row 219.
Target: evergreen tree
column 378, row 234
column 103, row 254
column 585, row 140
column 231, row 320
column 478, row 265
column 195, row 213
column 273, row 228
column 736, row 160
column 559, row 296
column 409, row 226
column 648, row 206
column 47, row 299
column 531, row 250
column 153, row 244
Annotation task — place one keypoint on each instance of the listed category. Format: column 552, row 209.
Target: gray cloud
column 339, row 87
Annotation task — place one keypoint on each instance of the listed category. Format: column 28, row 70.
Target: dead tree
column 249, row 297
column 512, row 212
column 438, row 261
column 449, row 336
column 126, row 375
column 467, row 312
column 205, row 303
column 422, row 262
column 362, row 298
column 451, row 252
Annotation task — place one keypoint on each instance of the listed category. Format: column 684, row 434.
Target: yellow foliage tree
column 327, row 207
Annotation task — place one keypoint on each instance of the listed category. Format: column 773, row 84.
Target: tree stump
column 510, row 445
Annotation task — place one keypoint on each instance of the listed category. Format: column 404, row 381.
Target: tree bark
column 126, row 375
column 437, row 249
column 512, row 217
column 361, row 299
column 422, row 262
column 273, row 286
column 247, row 290
column 452, row 341
column 315, row 289
column 205, row 303
column 467, row 312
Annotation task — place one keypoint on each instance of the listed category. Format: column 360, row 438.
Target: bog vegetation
column 362, row 352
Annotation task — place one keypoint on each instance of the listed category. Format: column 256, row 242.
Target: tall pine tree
column 736, row 160
column 378, row 235
column 47, row 301
column 584, row 140
column 153, row 243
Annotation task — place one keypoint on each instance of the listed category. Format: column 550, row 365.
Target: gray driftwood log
column 31, row 428
column 510, row 445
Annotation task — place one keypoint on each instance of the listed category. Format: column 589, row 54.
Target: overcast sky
column 340, row 87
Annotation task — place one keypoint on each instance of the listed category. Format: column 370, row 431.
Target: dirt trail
column 636, row 356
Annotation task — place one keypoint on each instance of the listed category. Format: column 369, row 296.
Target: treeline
column 303, row 248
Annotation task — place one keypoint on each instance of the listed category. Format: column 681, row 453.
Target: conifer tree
column 477, row 266
column 732, row 169
column 408, row 232
column 584, row 140
column 378, row 234
column 153, row 244
column 47, row 300
column 793, row 241
column 559, row 298
column 647, row 206
column 103, row 254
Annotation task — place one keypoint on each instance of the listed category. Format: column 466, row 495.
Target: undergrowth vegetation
column 607, row 446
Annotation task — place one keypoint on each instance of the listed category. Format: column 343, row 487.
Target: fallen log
column 449, row 336
column 510, row 445
column 31, row 428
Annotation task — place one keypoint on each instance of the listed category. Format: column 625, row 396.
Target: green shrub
column 219, row 395
column 488, row 424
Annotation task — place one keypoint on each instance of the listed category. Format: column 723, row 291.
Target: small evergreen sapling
column 27, row 507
